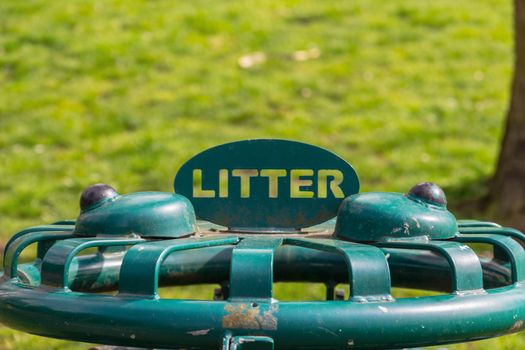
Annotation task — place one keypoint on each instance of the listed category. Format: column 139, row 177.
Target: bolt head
column 96, row 193
column 430, row 193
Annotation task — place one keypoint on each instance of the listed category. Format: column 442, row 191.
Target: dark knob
column 94, row 194
column 430, row 193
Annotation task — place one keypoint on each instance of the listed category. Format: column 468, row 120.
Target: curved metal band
column 476, row 223
column 467, row 274
column 55, row 266
column 512, row 249
column 251, row 271
column 160, row 323
column 16, row 246
column 503, row 231
column 139, row 274
column 368, row 270
column 42, row 228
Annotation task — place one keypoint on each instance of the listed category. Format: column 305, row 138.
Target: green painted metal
column 466, row 270
column 140, row 270
column 15, row 248
column 169, row 323
column 148, row 240
column 252, row 260
column 512, row 250
column 503, row 231
column 291, row 264
column 148, row 214
column 42, row 228
column 476, row 223
column 248, row 342
column 368, row 270
column 375, row 217
column 56, row 263
column 133, row 315
column 266, row 185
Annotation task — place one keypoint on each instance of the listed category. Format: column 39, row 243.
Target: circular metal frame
column 55, row 295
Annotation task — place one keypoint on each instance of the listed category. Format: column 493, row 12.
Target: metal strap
column 368, row 270
column 16, row 246
column 247, row 342
column 466, row 269
column 55, row 266
column 42, row 228
column 139, row 273
column 476, row 223
column 503, row 231
column 511, row 248
column 251, row 271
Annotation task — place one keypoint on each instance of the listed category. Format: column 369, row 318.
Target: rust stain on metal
column 245, row 316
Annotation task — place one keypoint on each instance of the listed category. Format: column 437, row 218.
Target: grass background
column 123, row 92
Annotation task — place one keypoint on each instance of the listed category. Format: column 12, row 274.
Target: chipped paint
column 418, row 225
column 383, row 309
column 244, row 316
column 374, row 217
column 199, row 332
column 516, row 326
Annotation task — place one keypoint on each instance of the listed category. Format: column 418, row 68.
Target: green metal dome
column 376, row 217
column 146, row 214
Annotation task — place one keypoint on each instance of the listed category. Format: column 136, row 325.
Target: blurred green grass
column 123, row 92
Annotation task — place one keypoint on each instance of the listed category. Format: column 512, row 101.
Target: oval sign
column 266, row 185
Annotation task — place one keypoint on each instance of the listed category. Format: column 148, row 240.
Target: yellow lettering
column 273, row 180
column 337, row 179
column 198, row 192
column 301, row 183
column 245, row 175
column 296, row 183
column 223, row 183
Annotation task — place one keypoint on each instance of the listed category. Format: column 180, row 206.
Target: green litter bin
column 245, row 215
